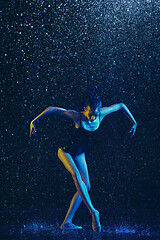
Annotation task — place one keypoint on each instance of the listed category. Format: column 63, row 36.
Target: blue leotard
column 78, row 143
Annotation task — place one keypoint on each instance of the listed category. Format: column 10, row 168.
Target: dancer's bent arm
column 70, row 113
column 120, row 106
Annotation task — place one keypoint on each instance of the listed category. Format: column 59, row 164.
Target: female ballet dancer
column 72, row 155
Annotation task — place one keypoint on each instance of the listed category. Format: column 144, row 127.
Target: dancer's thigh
column 68, row 162
column 81, row 164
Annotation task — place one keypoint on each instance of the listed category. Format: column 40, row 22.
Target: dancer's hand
column 33, row 129
column 133, row 129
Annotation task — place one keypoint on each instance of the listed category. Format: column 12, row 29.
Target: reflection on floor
column 32, row 224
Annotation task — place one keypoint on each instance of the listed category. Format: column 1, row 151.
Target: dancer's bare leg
column 74, row 205
column 80, row 162
column 70, row 165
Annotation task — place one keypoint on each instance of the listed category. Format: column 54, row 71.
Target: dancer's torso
column 78, row 141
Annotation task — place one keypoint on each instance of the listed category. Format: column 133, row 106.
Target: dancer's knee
column 76, row 175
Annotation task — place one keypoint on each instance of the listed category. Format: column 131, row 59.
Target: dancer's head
column 92, row 107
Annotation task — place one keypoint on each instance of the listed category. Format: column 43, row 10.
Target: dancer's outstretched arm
column 58, row 110
column 120, row 106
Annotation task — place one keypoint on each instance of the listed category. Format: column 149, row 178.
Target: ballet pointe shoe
column 96, row 226
column 70, row 226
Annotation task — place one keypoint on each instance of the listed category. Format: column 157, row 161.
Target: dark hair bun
column 93, row 101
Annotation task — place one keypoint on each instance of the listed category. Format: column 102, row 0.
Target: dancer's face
column 91, row 114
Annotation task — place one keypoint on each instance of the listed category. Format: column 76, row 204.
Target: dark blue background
column 56, row 54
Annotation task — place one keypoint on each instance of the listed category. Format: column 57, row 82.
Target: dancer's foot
column 70, row 226
column 95, row 222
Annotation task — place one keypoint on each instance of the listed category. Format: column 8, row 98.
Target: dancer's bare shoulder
column 73, row 115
